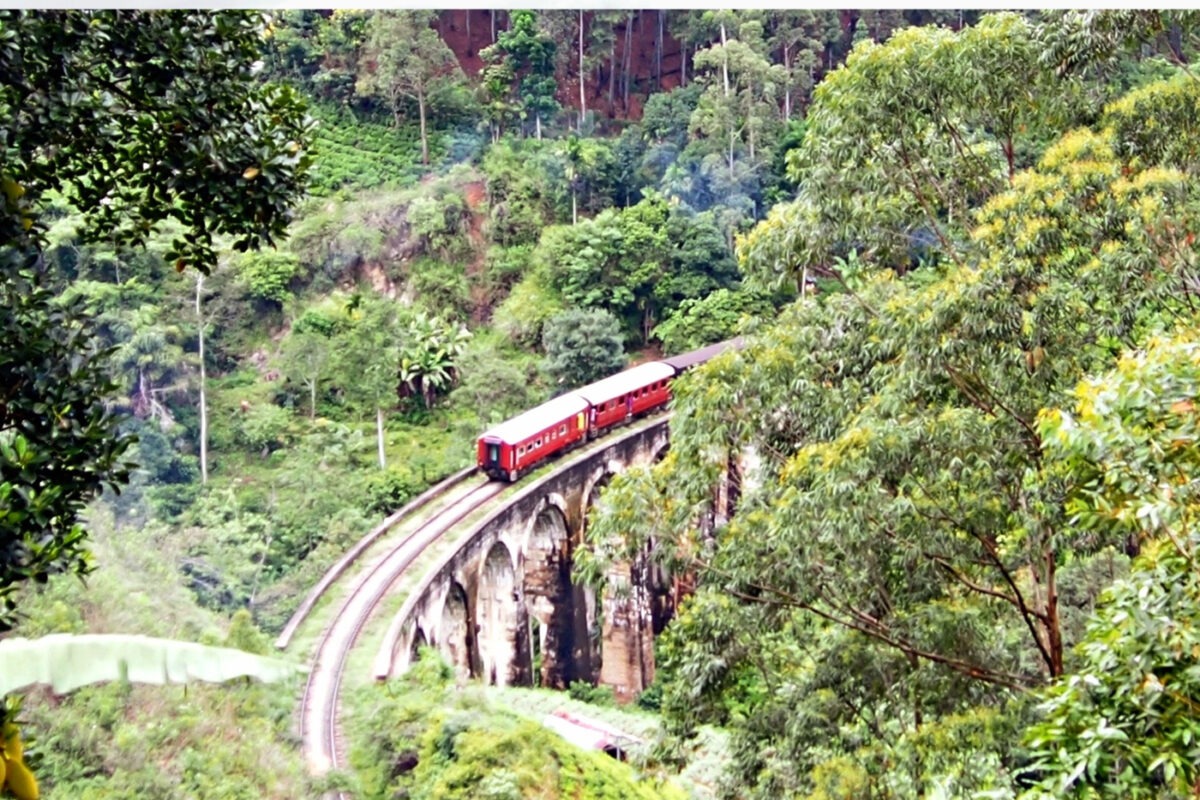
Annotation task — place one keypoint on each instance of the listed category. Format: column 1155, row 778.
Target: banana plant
column 66, row 662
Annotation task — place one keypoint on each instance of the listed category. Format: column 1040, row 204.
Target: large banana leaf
column 68, row 661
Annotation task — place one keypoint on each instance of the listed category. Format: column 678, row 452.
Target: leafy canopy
column 137, row 118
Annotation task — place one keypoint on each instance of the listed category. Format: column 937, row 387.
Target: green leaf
column 66, row 661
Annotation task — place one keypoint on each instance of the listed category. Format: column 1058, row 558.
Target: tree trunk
column 1054, row 643
column 379, row 436
column 582, row 77
column 683, row 59
column 724, row 61
column 627, row 61
column 787, row 87
column 750, row 124
column 312, row 398
column 424, row 138
column 493, row 26
column 469, row 32
column 658, row 51
column 612, row 72
column 203, row 395
column 537, row 125
column 574, row 208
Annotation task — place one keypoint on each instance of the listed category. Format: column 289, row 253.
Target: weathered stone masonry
column 504, row 600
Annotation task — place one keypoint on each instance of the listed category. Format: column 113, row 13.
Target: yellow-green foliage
column 1156, row 123
column 423, row 738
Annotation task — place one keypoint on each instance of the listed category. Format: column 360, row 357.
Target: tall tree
column 201, row 324
column 368, row 361
column 883, row 447
column 519, row 69
column 1124, row 726
column 404, row 60
column 135, row 117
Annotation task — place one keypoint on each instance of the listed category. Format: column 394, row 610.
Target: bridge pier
column 627, row 662
column 505, row 595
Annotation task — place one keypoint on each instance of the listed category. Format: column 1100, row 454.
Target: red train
column 512, row 448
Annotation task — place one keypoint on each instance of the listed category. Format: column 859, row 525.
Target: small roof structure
column 625, row 382
column 590, row 734
column 537, row 419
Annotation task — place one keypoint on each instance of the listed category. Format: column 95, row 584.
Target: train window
column 538, row 443
column 562, row 430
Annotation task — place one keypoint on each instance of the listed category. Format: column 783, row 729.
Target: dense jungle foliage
column 269, row 276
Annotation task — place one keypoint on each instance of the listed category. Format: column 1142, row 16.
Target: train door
column 491, row 456
column 629, row 404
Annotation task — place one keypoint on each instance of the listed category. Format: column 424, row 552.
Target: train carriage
column 685, row 361
column 511, row 447
column 627, row 394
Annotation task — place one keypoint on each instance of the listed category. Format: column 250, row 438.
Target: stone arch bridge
column 503, row 608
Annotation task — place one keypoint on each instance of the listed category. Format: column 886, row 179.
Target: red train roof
column 625, row 382
column 537, row 419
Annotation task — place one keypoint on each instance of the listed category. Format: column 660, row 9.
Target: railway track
column 320, row 734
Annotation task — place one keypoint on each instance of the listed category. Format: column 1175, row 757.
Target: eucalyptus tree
column 905, row 139
column 1124, row 725
column 800, row 38
column 899, row 490
column 367, row 361
column 739, row 105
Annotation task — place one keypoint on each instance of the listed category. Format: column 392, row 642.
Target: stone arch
column 455, row 635
column 418, row 641
column 591, row 493
column 588, row 634
column 502, row 637
column 546, row 576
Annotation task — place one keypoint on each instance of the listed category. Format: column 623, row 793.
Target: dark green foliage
column 141, row 116
column 638, row 263
column 581, row 347
column 518, row 76
column 716, row 317
column 165, row 482
column 519, row 195
column 59, row 441
column 387, row 491
column 138, row 117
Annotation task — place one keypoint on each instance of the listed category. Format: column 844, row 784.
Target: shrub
column 263, row 428
column 267, row 274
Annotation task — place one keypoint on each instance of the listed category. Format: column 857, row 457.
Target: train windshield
column 493, row 453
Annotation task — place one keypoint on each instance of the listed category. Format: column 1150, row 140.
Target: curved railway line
column 455, row 500
column 385, row 561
